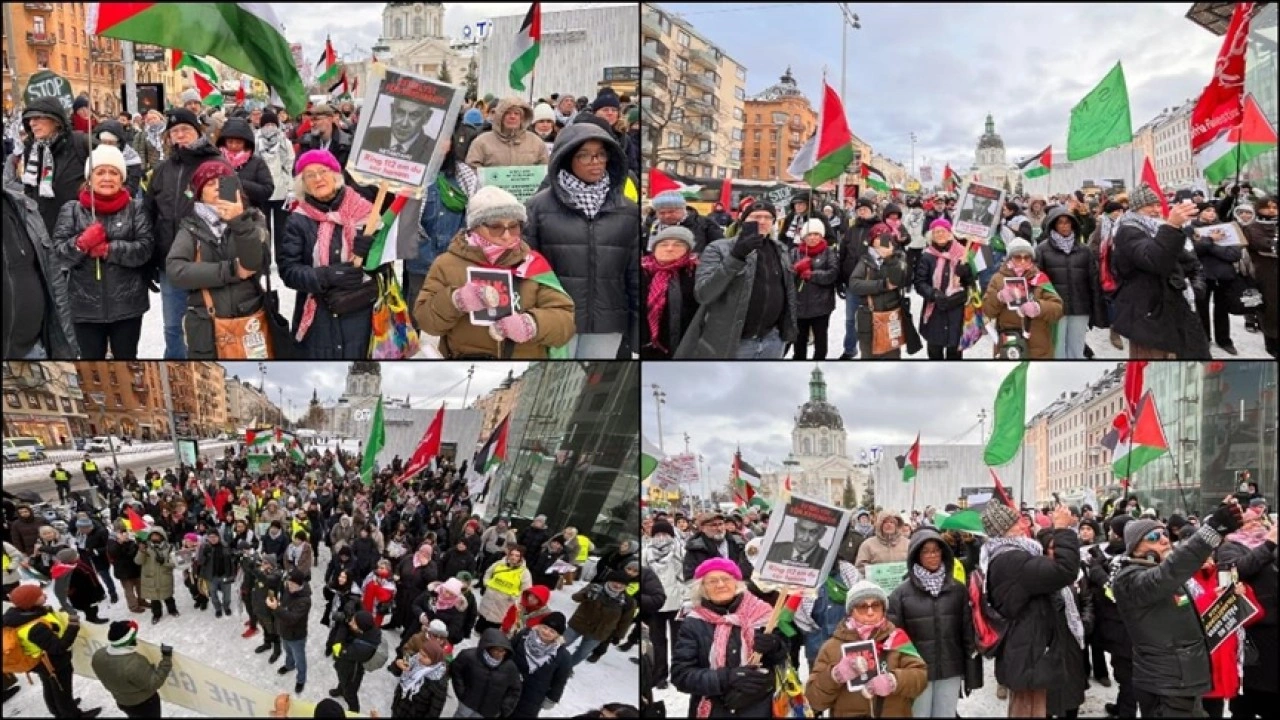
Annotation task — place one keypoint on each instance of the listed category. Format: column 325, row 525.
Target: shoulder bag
column 237, row 338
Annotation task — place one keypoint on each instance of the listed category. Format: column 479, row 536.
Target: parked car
column 103, row 443
column 21, row 449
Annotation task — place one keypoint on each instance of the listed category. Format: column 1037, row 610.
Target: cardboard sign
column 887, row 575
column 801, row 542
column 519, row 180
column 398, row 138
column 1226, row 615
column 675, row 470
column 47, row 83
column 866, row 659
column 978, row 211
column 502, row 281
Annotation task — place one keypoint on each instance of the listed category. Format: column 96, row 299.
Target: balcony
column 651, row 25
column 796, row 124
column 697, row 106
column 705, row 58
column 651, row 56
column 700, row 81
column 38, row 7
column 794, row 142
column 42, row 38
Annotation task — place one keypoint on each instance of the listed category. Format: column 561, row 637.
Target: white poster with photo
column 675, row 470
column 978, row 211
column 398, row 140
column 801, row 542
column 1222, row 234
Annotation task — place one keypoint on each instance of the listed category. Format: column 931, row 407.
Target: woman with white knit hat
column 104, row 240
column 541, row 320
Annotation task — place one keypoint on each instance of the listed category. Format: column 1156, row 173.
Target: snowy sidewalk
column 157, row 451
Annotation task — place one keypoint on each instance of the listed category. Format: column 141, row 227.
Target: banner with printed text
column 801, row 542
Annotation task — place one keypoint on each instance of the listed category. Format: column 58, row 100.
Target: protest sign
column 187, row 451
column 866, row 660
column 522, row 181
column 675, row 470
column 398, row 139
column 1221, row 234
column 1226, row 615
column 801, row 542
column 979, row 211
column 47, row 83
column 502, row 281
column 887, row 575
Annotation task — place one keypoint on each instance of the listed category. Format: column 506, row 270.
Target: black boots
column 275, row 649
column 266, row 644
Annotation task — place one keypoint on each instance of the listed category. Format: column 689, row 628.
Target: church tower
column 819, row 430
column 364, row 379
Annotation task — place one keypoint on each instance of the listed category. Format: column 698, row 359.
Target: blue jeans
column 851, row 303
column 595, row 346
column 939, row 698
column 584, row 649
column 295, row 656
column 220, row 593
column 174, row 303
column 1071, row 336
column 769, row 347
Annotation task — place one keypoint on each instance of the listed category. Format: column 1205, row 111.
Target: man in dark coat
column 91, row 538
column 712, row 541
column 1152, row 306
column 589, row 233
column 33, row 282
column 356, row 643
column 542, row 685
column 487, row 686
column 122, row 547
column 1171, row 669
column 255, row 176
column 292, row 610
column 1109, row 628
column 53, row 144
column 1021, row 584
column 1256, row 566
column 167, row 201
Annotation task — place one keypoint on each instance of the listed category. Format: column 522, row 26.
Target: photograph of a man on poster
column 406, row 136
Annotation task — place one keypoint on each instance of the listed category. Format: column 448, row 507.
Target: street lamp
column 850, row 21
column 911, row 170
column 660, row 399
column 982, row 425
column 100, row 399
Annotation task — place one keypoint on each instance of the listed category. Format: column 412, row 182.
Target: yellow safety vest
column 633, row 587
column 297, row 525
column 157, row 482
column 630, row 191
column 61, row 476
column 90, row 466
column 506, row 580
column 957, row 570
column 58, row 623
column 584, row 548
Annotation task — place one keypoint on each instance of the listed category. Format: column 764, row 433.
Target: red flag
column 220, row 501
column 726, row 191
column 240, row 94
column 948, row 178
column 659, row 182
column 1134, row 372
column 428, row 448
column 1149, row 177
column 1221, row 103
column 1000, row 491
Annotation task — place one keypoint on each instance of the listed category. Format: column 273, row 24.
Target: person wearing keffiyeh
column 544, row 664
column 53, row 159
column 424, row 682
column 667, row 286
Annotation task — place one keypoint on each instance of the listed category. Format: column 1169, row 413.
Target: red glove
column 92, row 237
column 100, row 251
column 805, row 274
column 803, row 266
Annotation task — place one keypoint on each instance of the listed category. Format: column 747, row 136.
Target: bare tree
column 685, row 130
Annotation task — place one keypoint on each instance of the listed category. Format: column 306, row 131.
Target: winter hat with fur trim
column 671, row 232
column 493, row 203
column 862, row 590
column 108, row 155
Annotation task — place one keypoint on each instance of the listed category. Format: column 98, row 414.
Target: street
column 36, row 477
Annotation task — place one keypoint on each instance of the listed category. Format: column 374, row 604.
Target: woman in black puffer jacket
column 1073, row 269
column 104, row 240
column 237, row 143
column 933, row 608
column 1218, row 263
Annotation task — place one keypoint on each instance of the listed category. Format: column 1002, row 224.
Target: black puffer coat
column 1170, row 656
column 1150, row 308
column 651, row 594
column 70, row 149
column 216, row 271
column 854, row 246
column 941, row 627
column 690, row 664
column 945, row 324
column 1108, row 626
column 58, row 334
column 490, row 692
column 1075, row 274
column 262, row 582
column 292, row 612
column 816, row 297
column 114, row 288
column 1021, row 586
column 428, row 702
column 1217, row 261
column 121, row 555
column 255, row 177
column 545, row 683
column 597, row 259
column 700, row 548
column 168, row 198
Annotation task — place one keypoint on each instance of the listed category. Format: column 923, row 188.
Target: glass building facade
column 573, row 450
column 1260, row 80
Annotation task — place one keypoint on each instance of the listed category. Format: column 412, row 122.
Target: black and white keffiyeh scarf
column 995, row 546
column 932, row 581
column 588, row 198
column 538, row 653
column 210, row 216
column 37, row 170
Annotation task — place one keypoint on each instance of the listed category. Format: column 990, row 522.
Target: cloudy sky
column 426, row 384
column 754, row 404
column 355, row 27
column 938, row 69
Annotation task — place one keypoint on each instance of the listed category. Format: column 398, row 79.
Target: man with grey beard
column 711, row 541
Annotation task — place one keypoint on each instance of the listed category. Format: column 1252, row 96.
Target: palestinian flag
column 660, row 182
column 535, row 267
column 1038, row 166
column 295, row 450
column 830, row 151
column 202, row 76
column 259, row 438
column 899, row 641
column 527, row 46
column 968, row 520
column 245, row 36
column 1219, row 111
column 490, row 456
column 911, row 461
column 786, row 619
column 745, row 480
column 650, row 456
column 1144, row 444
column 874, row 178
column 383, row 250
column 949, row 179
column 1227, row 154
column 133, row 519
column 328, row 61
column 980, row 257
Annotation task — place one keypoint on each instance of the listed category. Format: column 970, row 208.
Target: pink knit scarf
column 752, row 613
column 947, row 262
column 491, row 251
column 353, row 211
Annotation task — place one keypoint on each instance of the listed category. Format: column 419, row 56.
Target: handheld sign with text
column 801, row 542
column 1226, row 615
column 522, row 181
column 887, row 575
column 500, row 280
column 978, row 211
column 47, row 83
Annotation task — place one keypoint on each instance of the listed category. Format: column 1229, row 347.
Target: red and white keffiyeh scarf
column 352, row 212
column 752, row 613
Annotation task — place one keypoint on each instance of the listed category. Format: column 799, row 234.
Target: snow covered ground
column 217, row 642
column 156, row 451
column 981, row 703
column 1249, row 345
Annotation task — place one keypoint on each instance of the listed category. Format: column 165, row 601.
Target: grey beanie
column 864, row 589
column 671, row 232
column 997, row 518
column 191, row 95
column 1019, row 246
column 668, row 200
column 493, row 203
column 1136, row 530
column 1143, row 196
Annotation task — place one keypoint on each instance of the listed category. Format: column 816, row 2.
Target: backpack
column 1110, row 283
column 989, row 625
column 18, row 661
column 380, row 656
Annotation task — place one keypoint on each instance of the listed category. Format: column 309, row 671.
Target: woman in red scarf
column 670, row 269
column 105, row 242
column 816, row 273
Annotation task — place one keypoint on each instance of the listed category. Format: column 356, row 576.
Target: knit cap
column 473, row 117
column 663, row 527
column 864, row 590
column 1143, row 196
column 329, row 708
column 365, row 621
column 555, row 621
column 68, row 556
column 27, row 596
column 997, row 518
column 84, row 523
column 437, row 627
column 940, row 223
column 1019, row 246
column 208, row 171
column 668, row 200
column 122, row 633
column 81, row 102
column 814, row 227
column 1136, row 530
column 316, row 157
column 543, row 111
column 493, row 203
column 671, row 232
column 269, row 118
column 181, row 116
column 718, row 564
column 109, row 155
column 190, row 95
column 606, row 98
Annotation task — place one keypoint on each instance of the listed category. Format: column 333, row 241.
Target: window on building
column 664, row 23
column 62, row 31
column 64, row 62
column 66, row 405
column 674, row 140
column 773, row 171
column 683, row 39
column 37, row 25
column 755, row 135
column 33, row 400
column 679, row 89
column 740, row 93
column 738, row 114
column 758, row 118
column 755, row 153
column 705, row 146
column 721, row 173
column 682, row 64
column 114, row 380
column 780, row 118
column 119, row 401
column 737, row 134
column 75, row 62
column 741, row 74
column 677, row 114
column 11, row 399
column 50, row 403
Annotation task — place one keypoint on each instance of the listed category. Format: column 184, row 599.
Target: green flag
column 1010, row 418
column 377, row 438
column 1101, row 120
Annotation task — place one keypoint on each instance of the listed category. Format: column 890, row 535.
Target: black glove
column 747, row 686
column 1226, row 519
column 166, row 650
column 339, row 276
column 964, row 272
column 362, row 245
column 770, row 646
column 842, row 291
column 747, row 242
